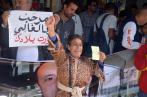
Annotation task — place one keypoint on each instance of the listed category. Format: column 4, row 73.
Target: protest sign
column 27, row 28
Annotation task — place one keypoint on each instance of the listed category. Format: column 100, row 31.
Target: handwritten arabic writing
column 31, row 24
column 27, row 28
column 30, row 39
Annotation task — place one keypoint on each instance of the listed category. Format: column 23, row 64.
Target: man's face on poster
column 47, row 82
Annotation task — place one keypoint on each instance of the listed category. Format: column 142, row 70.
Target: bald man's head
column 46, row 78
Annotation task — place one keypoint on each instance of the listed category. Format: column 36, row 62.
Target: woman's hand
column 102, row 57
column 101, row 75
column 50, row 23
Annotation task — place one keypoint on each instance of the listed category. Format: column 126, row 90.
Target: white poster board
column 27, row 28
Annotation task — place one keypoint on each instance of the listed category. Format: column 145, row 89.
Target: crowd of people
column 71, row 35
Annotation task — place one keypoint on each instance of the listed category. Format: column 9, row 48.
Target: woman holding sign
column 73, row 70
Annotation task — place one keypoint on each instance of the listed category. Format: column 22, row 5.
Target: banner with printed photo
column 121, row 75
column 27, row 28
column 116, row 84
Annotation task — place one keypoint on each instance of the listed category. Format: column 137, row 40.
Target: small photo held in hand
column 95, row 52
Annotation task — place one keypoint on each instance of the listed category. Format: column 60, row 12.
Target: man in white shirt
column 129, row 36
column 109, row 26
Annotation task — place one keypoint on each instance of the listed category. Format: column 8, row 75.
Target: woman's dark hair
column 72, row 37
